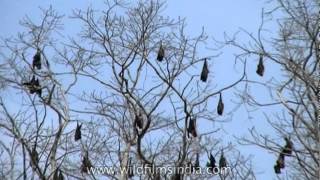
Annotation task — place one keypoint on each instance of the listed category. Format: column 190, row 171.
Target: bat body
column 287, row 150
column 36, row 63
column 204, row 72
column 220, row 106
column 222, row 161
column 161, row 53
column 35, row 156
column 260, row 66
column 212, row 163
column 197, row 162
column 139, row 121
column 86, row 163
column 130, row 172
column 34, row 86
column 77, row 135
column 277, row 169
column 192, row 127
column 58, row 175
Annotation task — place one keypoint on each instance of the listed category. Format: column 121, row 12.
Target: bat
column 222, row 161
column 61, row 177
column 34, row 86
column 160, row 53
column 204, row 72
column 37, row 87
column 212, row 163
column 280, row 161
column 287, row 150
column 86, row 163
column 277, row 169
column 36, row 63
column 220, row 107
column 77, row 135
column 130, row 172
column 34, row 155
column 139, row 120
column 58, row 175
column 192, row 127
column 30, row 84
column 260, row 66
column 197, row 163
column 176, row 176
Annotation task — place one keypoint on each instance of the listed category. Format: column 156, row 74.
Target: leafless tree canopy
column 295, row 50
column 124, row 89
column 132, row 89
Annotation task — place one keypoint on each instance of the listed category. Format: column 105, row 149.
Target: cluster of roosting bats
column 34, row 87
column 286, row 151
column 191, row 129
column 86, row 163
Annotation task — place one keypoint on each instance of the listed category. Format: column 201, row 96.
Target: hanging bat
column 277, row 169
column 197, row 163
column 86, row 163
column 58, row 175
column 77, row 134
column 139, row 120
column 287, row 150
column 37, row 87
column 61, row 177
column 34, row 86
column 220, row 107
column 260, row 66
column 30, row 84
column 192, row 127
column 130, row 172
column 191, row 166
column 212, row 163
column 280, row 161
column 176, row 176
column 205, row 71
column 37, row 60
column 222, row 161
column 160, row 53
column 157, row 176
column 34, row 155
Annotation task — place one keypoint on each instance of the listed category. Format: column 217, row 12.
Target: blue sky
column 215, row 16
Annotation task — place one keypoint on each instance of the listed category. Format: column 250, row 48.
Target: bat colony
column 34, row 87
column 191, row 129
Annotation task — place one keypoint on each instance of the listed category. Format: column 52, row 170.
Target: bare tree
column 129, row 90
column 295, row 52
